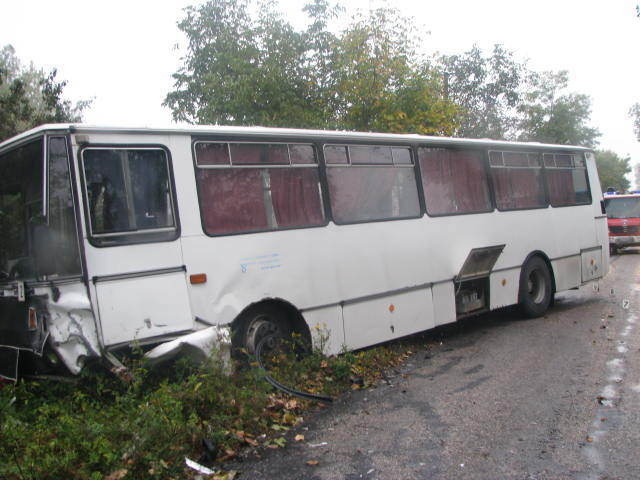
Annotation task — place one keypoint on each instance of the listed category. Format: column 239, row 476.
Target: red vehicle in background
column 623, row 218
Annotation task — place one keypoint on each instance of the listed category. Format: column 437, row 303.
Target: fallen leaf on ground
column 299, row 438
column 117, row 475
column 312, row 463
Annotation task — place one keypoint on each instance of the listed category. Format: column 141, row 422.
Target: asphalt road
column 499, row 398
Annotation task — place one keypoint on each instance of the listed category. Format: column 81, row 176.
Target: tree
column 243, row 70
column 502, row 98
column 612, row 170
column 382, row 84
column 551, row 116
column 258, row 70
column 30, row 97
column 487, row 89
column 237, row 71
column 634, row 112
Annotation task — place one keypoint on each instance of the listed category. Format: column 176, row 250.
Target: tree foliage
column 612, row 170
column 551, row 116
column 29, row 97
column 487, row 88
column 381, row 83
column 246, row 65
column 502, row 98
column 634, row 112
column 258, row 70
column 242, row 71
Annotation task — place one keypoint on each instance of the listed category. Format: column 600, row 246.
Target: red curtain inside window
column 372, row 155
column 502, row 189
column 231, row 200
column 212, row 154
column 454, row 181
column 296, row 198
column 334, row 154
column 518, row 188
column 561, row 187
column 301, row 154
column 527, row 187
column 248, row 153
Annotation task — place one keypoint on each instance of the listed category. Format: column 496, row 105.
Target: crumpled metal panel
column 72, row 328
column 197, row 346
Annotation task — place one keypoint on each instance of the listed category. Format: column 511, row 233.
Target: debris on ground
column 198, row 468
column 316, row 445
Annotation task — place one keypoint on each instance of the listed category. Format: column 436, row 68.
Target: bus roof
column 275, row 132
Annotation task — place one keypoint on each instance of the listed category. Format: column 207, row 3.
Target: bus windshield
column 622, row 207
column 20, row 203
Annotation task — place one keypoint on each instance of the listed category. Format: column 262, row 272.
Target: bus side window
column 566, row 176
column 128, row 190
column 372, row 182
column 106, row 191
column 454, row 181
column 252, row 187
column 517, row 180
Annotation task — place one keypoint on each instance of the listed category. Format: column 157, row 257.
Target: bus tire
column 535, row 288
column 256, row 323
column 613, row 250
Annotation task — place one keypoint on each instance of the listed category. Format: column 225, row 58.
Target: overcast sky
column 122, row 53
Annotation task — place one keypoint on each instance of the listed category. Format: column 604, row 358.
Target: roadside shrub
column 143, row 424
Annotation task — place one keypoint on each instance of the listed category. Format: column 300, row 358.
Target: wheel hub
column 260, row 328
column 536, row 286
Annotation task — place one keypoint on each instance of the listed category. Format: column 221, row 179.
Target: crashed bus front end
column 42, row 301
column 55, row 311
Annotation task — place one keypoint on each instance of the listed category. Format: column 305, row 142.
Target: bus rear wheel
column 536, row 290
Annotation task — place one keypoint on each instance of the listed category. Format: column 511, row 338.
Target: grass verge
column 143, row 427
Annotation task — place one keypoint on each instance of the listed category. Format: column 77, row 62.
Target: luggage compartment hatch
column 472, row 282
column 479, row 263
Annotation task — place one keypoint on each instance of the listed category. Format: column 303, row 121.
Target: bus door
column 133, row 253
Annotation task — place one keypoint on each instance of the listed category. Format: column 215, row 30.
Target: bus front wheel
column 535, row 288
column 259, row 322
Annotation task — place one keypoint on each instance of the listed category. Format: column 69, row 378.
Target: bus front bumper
column 624, row 241
column 214, row 341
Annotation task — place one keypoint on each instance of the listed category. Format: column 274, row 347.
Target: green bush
column 144, row 424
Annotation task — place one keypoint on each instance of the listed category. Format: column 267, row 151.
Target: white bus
column 115, row 237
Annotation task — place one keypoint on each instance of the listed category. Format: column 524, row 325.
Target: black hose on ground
column 278, row 385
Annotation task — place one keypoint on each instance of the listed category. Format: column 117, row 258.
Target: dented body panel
column 72, row 326
column 58, row 317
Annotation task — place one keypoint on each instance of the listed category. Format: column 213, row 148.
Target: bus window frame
column 484, row 154
column 412, row 165
column 542, row 174
column 573, row 153
column 128, row 237
column 261, row 141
